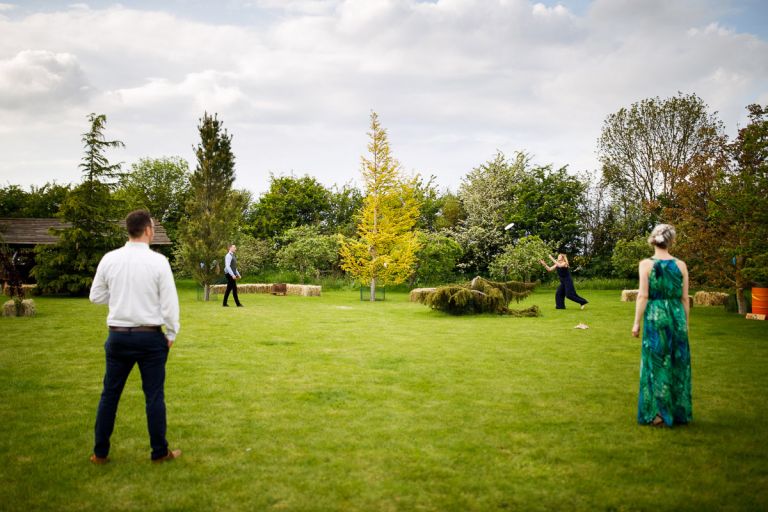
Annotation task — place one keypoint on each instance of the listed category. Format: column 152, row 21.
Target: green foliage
column 549, row 204
column 480, row 296
column 254, row 254
column 41, row 202
column 289, row 202
column 521, row 259
column 486, row 194
column 306, row 251
column 437, row 259
column 345, row 203
column 212, row 213
column 69, row 265
column 159, row 185
column 627, row 255
column 451, row 212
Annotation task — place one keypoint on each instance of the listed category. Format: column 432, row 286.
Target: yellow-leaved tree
column 384, row 252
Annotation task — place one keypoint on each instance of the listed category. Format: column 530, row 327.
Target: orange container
column 760, row 301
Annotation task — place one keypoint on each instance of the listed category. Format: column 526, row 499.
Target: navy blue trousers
column 567, row 290
column 150, row 351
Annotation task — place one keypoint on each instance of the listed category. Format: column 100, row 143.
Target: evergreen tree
column 92, row 215
column 212, row 212
column 385, row 250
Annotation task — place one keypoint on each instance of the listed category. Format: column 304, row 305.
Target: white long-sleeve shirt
column 137, row 283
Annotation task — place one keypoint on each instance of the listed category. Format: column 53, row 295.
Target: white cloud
column 34, row 79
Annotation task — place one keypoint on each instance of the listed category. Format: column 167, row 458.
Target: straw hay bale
column 710, row 298
column 629, row 295
column 418, row 294
column 27, row 308
column 243, row 288
column 303, row 290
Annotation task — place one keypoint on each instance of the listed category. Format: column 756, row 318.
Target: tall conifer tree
column 385, row 250
column 92, row 215
column 212, row 215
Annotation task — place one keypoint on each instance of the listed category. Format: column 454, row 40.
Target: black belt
column 141, row 328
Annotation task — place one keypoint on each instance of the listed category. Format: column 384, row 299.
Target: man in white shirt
column 138, row 285
column 231, row 273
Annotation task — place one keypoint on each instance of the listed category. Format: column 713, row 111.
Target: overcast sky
column 294, row 81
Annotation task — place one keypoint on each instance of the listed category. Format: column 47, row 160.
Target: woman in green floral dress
column 662, row 304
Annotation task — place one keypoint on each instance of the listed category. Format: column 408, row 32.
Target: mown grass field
column 296, row 403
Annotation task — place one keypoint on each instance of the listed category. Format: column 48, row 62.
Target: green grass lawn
column 329, row 403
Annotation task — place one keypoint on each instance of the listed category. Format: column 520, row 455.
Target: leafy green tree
column 436, row 259
column 306, row 251
column 13, row 200
column 254, row 254
column 344, row 202
column 42, row 202
column 89, row 208
column 627, row 255
column 159, row 185
column 385, row 250
column 290, row 202
column 520, row 260
column 644, row 149
column 549, row 204
column 451, row 212
column 212, row 213
column 431, row 203
column 487, row 193
column 741, row 206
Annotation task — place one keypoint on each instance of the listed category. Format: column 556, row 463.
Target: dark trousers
column 231, row 287
column 123, row 350
column 567, row 290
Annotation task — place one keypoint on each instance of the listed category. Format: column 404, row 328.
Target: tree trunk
column 740, row 286
column 206, row 292
column 373, row 290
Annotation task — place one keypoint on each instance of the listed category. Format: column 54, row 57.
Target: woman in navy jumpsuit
column 566, row 288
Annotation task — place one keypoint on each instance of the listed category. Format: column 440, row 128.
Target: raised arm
column 549, row 269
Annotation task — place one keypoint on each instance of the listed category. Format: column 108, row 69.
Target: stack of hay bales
column 629, row 295
column 418, row 294
column 710, row 298
column 243, row 288
column 304, row 290
column 27, row 308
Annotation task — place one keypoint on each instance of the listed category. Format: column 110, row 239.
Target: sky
column 295, row 81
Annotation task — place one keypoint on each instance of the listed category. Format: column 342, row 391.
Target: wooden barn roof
column 37, row 231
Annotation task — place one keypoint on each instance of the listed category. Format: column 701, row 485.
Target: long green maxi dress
column 665, row 366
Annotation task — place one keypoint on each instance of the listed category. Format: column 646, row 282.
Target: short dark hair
column 137, row 221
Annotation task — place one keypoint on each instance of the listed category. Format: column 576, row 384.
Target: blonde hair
column 565, row 258
column 662, row 236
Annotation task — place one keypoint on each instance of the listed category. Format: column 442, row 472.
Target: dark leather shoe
column 172, row 454
column 239, row 305
column 99, row 460
column 225, row 305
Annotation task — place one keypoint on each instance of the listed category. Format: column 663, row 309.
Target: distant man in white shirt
column 230, row 271
column 138, row 285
